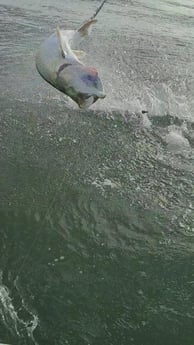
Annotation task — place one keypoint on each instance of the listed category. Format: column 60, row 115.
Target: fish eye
column 89, row 78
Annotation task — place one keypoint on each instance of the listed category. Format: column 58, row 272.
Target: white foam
column 145, row 121
column 175, row 140
column 10, row 316
column 7, row 311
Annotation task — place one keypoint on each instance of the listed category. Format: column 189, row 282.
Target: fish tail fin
column 85, row 29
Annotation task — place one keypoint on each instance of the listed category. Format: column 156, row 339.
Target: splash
column 10, row 318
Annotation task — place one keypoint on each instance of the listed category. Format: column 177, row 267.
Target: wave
column 10, row 315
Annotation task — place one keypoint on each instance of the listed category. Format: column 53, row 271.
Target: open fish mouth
column 85, row 102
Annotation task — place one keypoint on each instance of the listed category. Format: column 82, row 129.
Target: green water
column 96, row 232
column 96, row 207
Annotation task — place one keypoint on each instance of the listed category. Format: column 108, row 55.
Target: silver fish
column 59, row 64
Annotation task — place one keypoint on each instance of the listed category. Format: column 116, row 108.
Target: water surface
column 96, row 210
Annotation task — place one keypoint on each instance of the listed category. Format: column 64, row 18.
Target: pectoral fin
column 79, row 53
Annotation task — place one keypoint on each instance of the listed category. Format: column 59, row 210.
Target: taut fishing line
column 98, row 9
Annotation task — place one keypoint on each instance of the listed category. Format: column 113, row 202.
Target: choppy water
column 97, row 207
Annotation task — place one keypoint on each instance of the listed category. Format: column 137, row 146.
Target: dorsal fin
column 63, row 52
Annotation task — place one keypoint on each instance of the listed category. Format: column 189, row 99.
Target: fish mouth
column 100, row 94
column 85, row 101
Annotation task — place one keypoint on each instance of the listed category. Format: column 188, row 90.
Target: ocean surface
column 97, row 206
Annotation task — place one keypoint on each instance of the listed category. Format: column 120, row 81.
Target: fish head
column 81, row 83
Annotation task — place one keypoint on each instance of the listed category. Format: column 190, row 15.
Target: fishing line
column 98, row 9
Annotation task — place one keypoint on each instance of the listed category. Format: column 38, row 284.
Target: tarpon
column 59, row 64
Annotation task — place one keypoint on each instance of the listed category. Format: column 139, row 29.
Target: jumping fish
column 59, row 64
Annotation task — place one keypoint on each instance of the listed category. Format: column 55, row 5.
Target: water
column 97, row 213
